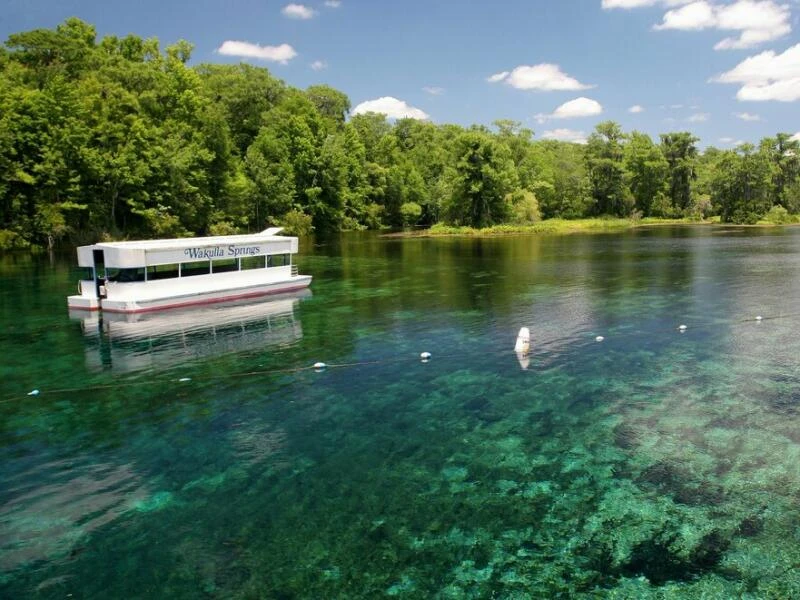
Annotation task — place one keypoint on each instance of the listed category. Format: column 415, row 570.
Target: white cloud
column 333, row 3
column 545, row 76
column 609, row 4
column 565, row 135
column 795, row 137
column 636, row 108
column 298, row 11
column 433, row 90
column 281, row 54
column 782, row 91
column 693, row 17
column 745, row 116
column 698, row 118
column 767, row 76
column 497, row 77
column 758, row 21
column 391, row 107
column 319, row 65
column 725, row 140
column 580, row 107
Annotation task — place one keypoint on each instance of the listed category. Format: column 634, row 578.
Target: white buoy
column 599, row 338
column 523, row 345
column 320, row 366
column 184, row 379
column 33, row 393
column 759, row 317
column 425, row 356
column 682, row 328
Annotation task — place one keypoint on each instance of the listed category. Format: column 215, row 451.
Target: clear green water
column 654, row 464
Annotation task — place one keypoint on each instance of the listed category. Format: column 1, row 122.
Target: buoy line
column 423, row 357
column 128, row 384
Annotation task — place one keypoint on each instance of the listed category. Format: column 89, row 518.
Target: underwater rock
column 680, row 484
column 750, row 526
column 656, row 560
column 625, row 436
column 710, row 551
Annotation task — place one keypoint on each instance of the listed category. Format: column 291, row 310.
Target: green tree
column 371, row 128
column 268, row 165
column 559, row 178
column 606, row 170
column 484, row 175
column 245, row 93
column 332, row 104
column 646, row 170
column 740, row 187
column 681, row 153
column 783, row 154
column 65, row 51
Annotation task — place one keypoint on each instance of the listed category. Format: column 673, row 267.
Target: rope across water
column 423, row 357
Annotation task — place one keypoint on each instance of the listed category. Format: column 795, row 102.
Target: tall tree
column 484, row 177
column 332, row 104
column 646, row 170
column 681, row 153
column 740, row 186
column 246, row 93
column 604, row 161
column 783, row 153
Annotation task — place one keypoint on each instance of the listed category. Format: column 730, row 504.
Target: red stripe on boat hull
column 208, row 300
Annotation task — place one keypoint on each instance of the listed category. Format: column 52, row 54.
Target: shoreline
column 569, row 226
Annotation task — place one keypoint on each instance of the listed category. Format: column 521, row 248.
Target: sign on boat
column 148, row 275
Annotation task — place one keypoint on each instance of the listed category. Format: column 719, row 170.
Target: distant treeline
column 118, row 138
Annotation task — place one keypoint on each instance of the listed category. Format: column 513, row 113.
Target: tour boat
column 148, row 275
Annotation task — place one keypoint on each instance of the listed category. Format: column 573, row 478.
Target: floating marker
column 599, row 338
column 33, row 393
column 320, row 366
column 425, row 356
column 758, row 318
column 523, row 344
column 682, row 328
column 184, row 379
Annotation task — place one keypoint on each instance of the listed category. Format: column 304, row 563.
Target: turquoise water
column 197, row 456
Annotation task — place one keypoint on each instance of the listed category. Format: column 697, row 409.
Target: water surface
column 197, row 455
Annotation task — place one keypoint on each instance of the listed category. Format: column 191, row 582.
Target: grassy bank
column 552, row 226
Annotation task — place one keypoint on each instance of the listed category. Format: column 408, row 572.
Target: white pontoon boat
column 141, row 276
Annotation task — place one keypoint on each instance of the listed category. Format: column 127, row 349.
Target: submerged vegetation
column 118, row 137
column 654, row 465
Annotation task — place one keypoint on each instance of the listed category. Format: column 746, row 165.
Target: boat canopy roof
column 143, row 253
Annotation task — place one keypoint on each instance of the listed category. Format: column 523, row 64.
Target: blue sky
column 727, row 70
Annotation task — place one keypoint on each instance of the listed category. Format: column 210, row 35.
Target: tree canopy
column 118, row 137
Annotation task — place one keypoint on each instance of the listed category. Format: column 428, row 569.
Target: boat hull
column 196, row 298
column 83, row 303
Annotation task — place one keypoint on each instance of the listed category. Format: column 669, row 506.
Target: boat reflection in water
column 158, row 340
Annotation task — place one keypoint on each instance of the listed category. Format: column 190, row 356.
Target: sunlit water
column 195, row 454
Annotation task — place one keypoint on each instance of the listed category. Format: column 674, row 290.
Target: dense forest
column 119, row 138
